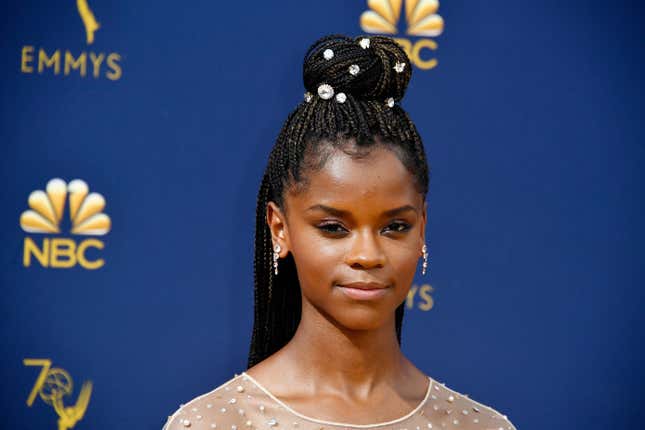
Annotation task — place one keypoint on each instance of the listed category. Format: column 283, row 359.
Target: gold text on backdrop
column 65, row 62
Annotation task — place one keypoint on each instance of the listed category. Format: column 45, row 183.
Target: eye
column 398, row 227
column 332, row 227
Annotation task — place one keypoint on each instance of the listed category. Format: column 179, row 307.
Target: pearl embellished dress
column 242, row 403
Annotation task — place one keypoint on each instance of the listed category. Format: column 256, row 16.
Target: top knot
column 367, row 67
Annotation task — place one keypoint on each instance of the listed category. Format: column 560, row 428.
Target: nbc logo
column 45, row 216
column 422, row 20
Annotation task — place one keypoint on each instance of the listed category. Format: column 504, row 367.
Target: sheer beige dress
column 242, row 403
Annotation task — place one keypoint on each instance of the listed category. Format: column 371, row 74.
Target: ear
column 277, row 223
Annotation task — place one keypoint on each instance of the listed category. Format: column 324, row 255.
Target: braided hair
column 315, row 128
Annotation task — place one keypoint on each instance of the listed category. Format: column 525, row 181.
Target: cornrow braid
column 308, row 137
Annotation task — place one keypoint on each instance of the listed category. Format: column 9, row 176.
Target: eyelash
column 331, row 227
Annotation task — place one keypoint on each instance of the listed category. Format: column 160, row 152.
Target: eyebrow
column 341, row 213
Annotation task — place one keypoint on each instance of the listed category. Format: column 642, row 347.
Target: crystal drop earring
column 276, row 256
column 424, row 250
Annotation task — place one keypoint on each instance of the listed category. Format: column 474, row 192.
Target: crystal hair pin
column 399, row 67
column 325, row 92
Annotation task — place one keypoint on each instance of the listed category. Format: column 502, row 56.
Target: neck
column 327, row 354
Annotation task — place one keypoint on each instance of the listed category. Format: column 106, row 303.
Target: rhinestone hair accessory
column 325, row 91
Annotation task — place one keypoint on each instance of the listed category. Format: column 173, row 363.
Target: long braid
column 303, row 144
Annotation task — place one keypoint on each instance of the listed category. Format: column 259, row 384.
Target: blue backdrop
column 531, row 114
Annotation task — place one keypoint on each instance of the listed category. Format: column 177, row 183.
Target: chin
column 363, row 319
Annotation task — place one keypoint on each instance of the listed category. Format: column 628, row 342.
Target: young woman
column 340, row 229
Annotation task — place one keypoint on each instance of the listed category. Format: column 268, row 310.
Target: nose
column 365, row 251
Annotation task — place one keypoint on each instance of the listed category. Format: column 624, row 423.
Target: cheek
column 317, row 258
column 403, row 262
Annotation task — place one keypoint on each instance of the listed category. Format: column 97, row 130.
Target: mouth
column 364, row 290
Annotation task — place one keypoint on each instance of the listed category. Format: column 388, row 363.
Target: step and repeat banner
column 134, row 136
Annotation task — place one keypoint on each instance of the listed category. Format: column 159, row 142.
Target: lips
column 363, row 290
column 365, row 285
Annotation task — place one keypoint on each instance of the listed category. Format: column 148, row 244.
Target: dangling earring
column 276, row 256
column 425, row 259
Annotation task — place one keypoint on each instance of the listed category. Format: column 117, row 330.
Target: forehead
column 378, row 179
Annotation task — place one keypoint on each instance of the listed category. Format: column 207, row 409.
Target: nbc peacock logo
column 45, row 216
column 422, row 21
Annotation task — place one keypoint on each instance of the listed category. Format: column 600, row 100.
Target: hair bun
column 383, row 67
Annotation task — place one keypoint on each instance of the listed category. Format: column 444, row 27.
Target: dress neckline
column 333, row 423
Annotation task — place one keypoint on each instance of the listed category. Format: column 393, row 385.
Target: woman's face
column 358, row 223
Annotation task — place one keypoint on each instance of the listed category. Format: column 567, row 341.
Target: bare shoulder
column 205, row 410
column 453, row 408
